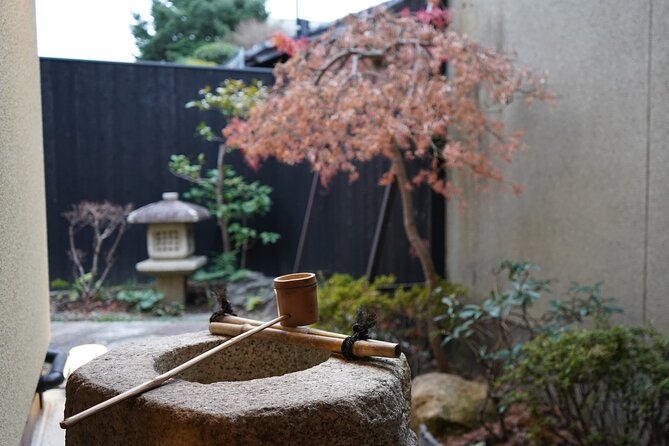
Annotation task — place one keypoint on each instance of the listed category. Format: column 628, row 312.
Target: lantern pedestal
column 171, row 275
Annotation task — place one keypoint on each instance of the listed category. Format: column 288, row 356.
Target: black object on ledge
column 55, row 377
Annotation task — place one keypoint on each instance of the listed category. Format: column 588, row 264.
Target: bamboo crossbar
column 304, row 330
column 320, row 342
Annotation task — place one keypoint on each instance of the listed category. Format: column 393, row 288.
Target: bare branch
column 104, row 219
column 198, row 180
column 345, row 54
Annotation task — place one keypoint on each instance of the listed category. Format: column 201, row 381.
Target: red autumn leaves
column 380, row 82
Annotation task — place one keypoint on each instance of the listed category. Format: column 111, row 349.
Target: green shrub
column 401, row 312
column 495, row 330
column 196, row 62
column 59, row 284
column 140, row 300
column 169, row 309
column 340, row 295
column 607, row 386
column 218, row 52
column 148, row 300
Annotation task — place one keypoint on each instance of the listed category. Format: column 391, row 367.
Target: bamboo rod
column 360, row 348
column 305, row 330
column 159, row 380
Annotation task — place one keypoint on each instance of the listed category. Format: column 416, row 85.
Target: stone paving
column 65, row 335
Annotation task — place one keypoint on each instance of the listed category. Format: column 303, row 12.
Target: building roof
column 266, row 55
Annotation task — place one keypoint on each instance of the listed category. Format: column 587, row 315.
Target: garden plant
column 147, row 300
column 187, row 30
column 601, row 387
column 105, row 224
column 231, row 199
column 406, row 88
column 503, row 334
column 401, row 311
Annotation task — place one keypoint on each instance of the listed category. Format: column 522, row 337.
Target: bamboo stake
column 305, row 330
column 360, row 348
column 159, row 380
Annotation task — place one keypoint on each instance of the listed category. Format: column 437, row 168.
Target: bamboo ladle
column 297, row 304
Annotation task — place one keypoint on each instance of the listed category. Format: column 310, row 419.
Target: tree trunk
column 426, row 262
column 245, row 245
column 222, row 221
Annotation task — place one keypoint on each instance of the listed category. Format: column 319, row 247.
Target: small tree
column 229, row 197
column 108, row 223
column 380, row 87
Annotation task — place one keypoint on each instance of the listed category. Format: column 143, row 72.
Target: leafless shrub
column 108, row 223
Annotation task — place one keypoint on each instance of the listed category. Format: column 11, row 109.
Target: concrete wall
column 596, row 199
column 24, row 304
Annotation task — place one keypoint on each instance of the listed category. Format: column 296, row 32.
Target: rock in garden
column 253, row 285
column 446, row 404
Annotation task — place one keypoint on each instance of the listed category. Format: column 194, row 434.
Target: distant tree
column 379, row 87
column 180, row 27
column 217, row 52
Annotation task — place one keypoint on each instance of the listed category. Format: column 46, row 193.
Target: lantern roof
column 169, row 210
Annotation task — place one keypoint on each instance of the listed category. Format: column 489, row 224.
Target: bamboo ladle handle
column 159, row 380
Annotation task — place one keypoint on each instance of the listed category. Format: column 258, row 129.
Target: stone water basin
column 257, row 392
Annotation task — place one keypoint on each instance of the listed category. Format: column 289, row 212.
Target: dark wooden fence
column 110, row 128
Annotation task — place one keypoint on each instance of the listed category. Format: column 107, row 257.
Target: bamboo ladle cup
column 297, row 304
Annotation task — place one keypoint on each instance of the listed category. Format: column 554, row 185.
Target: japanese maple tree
column 402, row 87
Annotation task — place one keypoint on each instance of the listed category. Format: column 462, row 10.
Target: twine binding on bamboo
column 364, row 322
column 221, row 295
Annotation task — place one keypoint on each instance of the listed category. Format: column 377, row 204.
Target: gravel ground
column 65, row 335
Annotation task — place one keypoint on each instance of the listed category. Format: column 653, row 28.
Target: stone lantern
column 170, row 243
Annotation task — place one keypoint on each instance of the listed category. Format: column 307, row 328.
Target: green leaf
column 447, row 300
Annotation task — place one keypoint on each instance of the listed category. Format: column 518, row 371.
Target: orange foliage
column 381, row 82
column 287, row 45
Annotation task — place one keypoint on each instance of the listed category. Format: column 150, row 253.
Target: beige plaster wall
column 24, row 304
column 595, row 204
